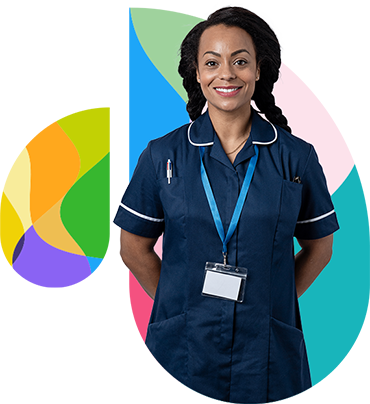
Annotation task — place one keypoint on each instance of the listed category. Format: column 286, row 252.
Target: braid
column 265, row 102
column 196, row 100
column 188, row 71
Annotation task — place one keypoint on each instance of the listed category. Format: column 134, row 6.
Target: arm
column 138, row 254
column 311, row 260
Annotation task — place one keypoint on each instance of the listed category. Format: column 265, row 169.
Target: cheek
column 205, row 78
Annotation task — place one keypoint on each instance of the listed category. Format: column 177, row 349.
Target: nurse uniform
column 248, row 352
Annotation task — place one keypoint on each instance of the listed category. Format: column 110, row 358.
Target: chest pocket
column 172, row 196
column 291, row 198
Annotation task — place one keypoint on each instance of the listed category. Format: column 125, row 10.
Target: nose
column 227, row 72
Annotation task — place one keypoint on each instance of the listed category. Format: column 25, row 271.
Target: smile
column 227, row 90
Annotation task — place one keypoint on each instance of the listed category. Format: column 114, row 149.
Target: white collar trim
column 254, row 142
column 197, row 144
column 272, row 141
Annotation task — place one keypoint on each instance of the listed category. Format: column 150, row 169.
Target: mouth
column 227, row 91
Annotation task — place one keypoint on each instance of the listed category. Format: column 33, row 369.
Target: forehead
column 221, row 38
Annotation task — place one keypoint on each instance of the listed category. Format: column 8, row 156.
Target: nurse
column 229, row 191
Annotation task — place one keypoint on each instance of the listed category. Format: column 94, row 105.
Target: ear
column 198, row 77
column 258, row 73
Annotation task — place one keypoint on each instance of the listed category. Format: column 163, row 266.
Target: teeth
column 226, row 90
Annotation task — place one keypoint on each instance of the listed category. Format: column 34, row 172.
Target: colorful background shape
column 63, row 102
column 52, row 184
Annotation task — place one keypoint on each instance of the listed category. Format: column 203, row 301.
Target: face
column 227, row 68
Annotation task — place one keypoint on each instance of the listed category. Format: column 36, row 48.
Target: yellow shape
column 51, row 229
column 86, row 111
column 17, row 188
column 28, row 113
column 11, row 229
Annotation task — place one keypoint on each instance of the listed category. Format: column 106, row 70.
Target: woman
column 230, row 188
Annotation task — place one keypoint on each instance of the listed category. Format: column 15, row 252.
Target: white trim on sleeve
column 152, row 219
column 315, row 219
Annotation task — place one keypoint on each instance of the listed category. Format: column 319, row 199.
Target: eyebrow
column 233, row 54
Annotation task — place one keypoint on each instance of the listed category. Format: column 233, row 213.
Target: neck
column 231, row 128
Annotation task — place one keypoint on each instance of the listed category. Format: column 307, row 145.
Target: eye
column 211, row 63
column 240, row 62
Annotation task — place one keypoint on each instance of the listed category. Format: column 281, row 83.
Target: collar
column 201, row 132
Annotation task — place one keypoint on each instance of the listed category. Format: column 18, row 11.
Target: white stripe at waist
column 152, row 219
column 315, row 219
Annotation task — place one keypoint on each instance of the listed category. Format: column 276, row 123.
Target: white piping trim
column 272, row 141
column 315, row 219
column 197, row 144
column 152, row 219
column 211, row 143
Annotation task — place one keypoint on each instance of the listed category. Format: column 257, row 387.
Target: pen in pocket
column 169, row 170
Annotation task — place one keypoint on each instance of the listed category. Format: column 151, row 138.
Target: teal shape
column 85, row 210
column 333, row 309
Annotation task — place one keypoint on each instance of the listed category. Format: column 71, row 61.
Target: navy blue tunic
column 249, row 352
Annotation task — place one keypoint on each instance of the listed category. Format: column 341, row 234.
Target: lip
column 229, row 91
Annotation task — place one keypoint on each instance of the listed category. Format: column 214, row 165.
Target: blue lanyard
column 239, row 204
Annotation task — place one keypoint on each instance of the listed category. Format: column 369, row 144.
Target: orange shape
column 28, row 112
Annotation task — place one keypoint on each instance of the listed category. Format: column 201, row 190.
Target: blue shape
column 103, row 38
column 100, row 272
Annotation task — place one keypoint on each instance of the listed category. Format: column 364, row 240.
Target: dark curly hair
column 267, row 49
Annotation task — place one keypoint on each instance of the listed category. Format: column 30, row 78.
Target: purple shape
column 45, row 308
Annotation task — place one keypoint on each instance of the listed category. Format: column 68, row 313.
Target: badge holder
column 224, row 281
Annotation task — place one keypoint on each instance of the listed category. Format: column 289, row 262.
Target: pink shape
column 122, row 313
column 326, row 104
column 158, row 247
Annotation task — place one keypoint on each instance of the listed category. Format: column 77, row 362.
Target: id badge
column 224, row 281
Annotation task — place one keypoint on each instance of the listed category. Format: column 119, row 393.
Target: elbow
column 135, row 248
column 329, row 254
column 327, row 251
column 125, row 255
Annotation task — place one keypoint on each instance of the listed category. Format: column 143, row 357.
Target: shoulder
column 293, row 150
column 290, row 143
column 171, row 141
column 278, row 140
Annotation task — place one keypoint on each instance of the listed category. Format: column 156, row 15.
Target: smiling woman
column 224, row 69
column 227, row 71
column 229, row 190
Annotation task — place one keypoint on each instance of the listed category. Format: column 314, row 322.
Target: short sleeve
column 317, row 217
column 141, row 210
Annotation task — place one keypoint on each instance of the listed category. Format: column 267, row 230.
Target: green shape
column 85, row 210
column 86, row 111
column 333, row 309
column 161, row 33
